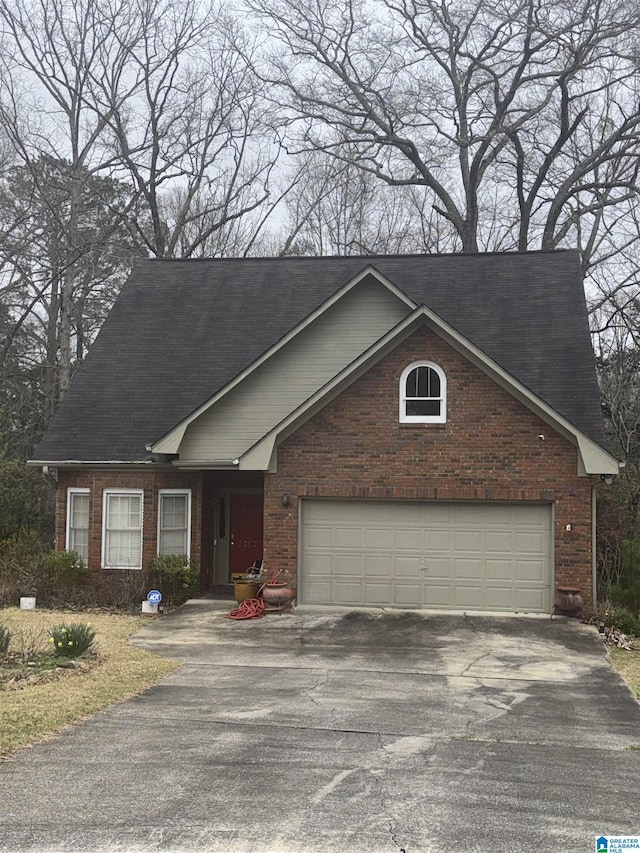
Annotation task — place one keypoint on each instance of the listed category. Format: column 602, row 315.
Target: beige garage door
column 478, row 556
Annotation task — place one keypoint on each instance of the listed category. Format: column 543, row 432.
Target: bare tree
column 151, row 104
column 186, row 117
column 520, row 119
column 53, row 51
column 333, row 208
column 35, row 203
column 125, row 129
column 618, row 359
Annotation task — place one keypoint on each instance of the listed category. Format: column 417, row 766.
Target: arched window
column 423, row 394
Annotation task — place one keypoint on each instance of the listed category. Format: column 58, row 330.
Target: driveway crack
column 328, row 710
column 385, row 799
column 473, row 663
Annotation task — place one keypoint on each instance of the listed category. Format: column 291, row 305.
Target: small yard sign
column 154, row 596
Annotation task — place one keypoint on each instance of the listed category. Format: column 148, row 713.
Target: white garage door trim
column 485, row 556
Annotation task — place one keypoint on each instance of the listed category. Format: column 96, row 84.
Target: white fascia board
column 170, row 442
column 592, row 459
column 89, row 463
column 382, row 279
column 206, row 464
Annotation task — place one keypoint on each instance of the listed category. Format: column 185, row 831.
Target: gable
column 591, row 458
column 488, row 435
column 279, row 385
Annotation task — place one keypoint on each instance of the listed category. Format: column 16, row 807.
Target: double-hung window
column 122, row 529
column 174, row 521
column 77, row 535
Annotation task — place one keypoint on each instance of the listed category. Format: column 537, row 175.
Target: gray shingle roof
column 182, row 329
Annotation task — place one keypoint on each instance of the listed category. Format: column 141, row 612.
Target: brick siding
column 151, row 482
column 488, row 450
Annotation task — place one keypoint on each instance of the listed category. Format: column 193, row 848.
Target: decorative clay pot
column 568, row 601
column 278, row 595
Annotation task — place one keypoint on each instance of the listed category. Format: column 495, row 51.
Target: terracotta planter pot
column 568, row 601
column 278, row 595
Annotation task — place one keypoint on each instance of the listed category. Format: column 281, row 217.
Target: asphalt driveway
column 362, row 733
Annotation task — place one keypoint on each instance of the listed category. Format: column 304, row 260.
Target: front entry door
column 245, row 530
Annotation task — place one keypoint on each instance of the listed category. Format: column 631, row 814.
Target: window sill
column 418, row 425
column 121, row 568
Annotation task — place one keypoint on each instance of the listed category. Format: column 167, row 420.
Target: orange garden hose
column 252, row 608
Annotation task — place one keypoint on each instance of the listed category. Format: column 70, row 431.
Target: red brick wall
column 488, row 450
column 151, row 482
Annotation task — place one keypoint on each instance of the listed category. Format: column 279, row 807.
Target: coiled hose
column 252, row 608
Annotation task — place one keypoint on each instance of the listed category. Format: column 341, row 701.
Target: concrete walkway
column 360, row 732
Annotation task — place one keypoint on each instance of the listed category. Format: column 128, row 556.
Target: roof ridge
column 401, row 256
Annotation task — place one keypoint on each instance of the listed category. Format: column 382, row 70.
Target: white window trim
column 187, row 493
column 423, row 419
column 70, row 493
column 105, row 498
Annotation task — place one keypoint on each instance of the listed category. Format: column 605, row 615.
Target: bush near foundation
column 64, row 570
column 21, row 570
column 27, row 567
column 177, row 578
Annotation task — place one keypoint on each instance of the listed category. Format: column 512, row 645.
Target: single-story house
column 416, row 431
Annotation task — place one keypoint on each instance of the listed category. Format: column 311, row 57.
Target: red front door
column 245, row 528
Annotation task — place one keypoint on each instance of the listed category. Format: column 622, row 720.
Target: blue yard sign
column 154, row 597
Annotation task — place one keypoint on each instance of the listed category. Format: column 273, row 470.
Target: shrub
column 29, row 641
column 622, row 619
column 27, row 501
column 72, row 640
column 121, row 589
column 626, row 591
column 5, row 639
column 21, row 570
column 178, row 578
column 64, row 569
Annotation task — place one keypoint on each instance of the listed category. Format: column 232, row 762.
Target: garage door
column 436, row 555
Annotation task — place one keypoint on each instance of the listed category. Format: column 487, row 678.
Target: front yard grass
column 628, row 665
column 37, row 700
